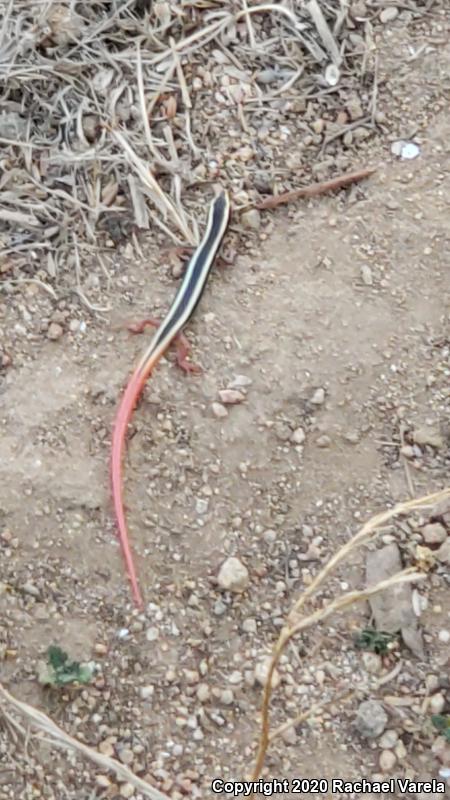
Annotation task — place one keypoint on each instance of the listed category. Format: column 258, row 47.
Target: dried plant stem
column 407, row 576
column 295, row 624
column 61, row 739
column 316, row 188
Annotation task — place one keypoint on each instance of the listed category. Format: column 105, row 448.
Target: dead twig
column 60, row 738
column 316, row 188
column 296, row 624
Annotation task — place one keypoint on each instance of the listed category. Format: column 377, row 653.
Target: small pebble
column 371, row 719
column 366, row 275
column 249, row 625
column 289, row 736
column 146, row 692
column 372, row 662
column 231, row 396
column 227, row 697
column 262, row 671
column 269, row 536
column 407, row 451
column 387, row 761
column 400, row 751
column 298, row 436
column 432, row 683
column 127, row 790
column 444, row 636
column 203, row 692
column 103, row 781
column 443, row 554
column 323, row 441
column 219, row 608
column 352, row 437
column 201, row 505
column 55, row 331
column 389, row 739
column 251, row 219
column 152, row 634
column 437, row 703
column 388, row 14
column 126, row 756
column 219, row 410
column 29, row 588
column 434, row 533
column 318, row 397
column 240, row 382
column 233, row 575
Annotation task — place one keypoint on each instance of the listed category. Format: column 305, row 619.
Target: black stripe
column 207, row 253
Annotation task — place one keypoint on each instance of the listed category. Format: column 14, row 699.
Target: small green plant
column 378, row 642
column 442, row 724
column 58, row 670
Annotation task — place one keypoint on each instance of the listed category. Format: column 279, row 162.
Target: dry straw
column 296, row 623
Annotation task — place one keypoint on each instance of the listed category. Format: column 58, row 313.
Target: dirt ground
column 347, row 294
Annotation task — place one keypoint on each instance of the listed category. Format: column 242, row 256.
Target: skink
column 181, row 310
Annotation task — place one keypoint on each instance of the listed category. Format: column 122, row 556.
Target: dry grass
column 297, row 623
column 117, row 110
column 58, row 738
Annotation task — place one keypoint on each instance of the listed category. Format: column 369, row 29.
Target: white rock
column 227, row 697
column 434, row 533
column 388, row 740
column 318, row 397
column 152, row 634
column 298, row 436
column 388, row 760
column 372, row 662
column 230, row 397
column 388, row 14
column 219, row 410
column 289, row 736
column 262, row 671
column 437, row 703
column 366, row 275
column 146, row 692
column 233, row 575
column 249, row 625
column 371, row 719
column 203, row 692
column 240, row 382
column 251, row 219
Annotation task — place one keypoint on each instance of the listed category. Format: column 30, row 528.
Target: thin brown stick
column 316, row 188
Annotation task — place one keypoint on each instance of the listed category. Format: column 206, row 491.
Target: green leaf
column 59, row 671
column 56, row 657
column 442, row 724
column 374, row 641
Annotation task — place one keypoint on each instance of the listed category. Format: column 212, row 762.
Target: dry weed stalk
column 61, row 739
column 296, row 624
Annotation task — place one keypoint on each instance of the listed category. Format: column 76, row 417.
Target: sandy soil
column 348, row 294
